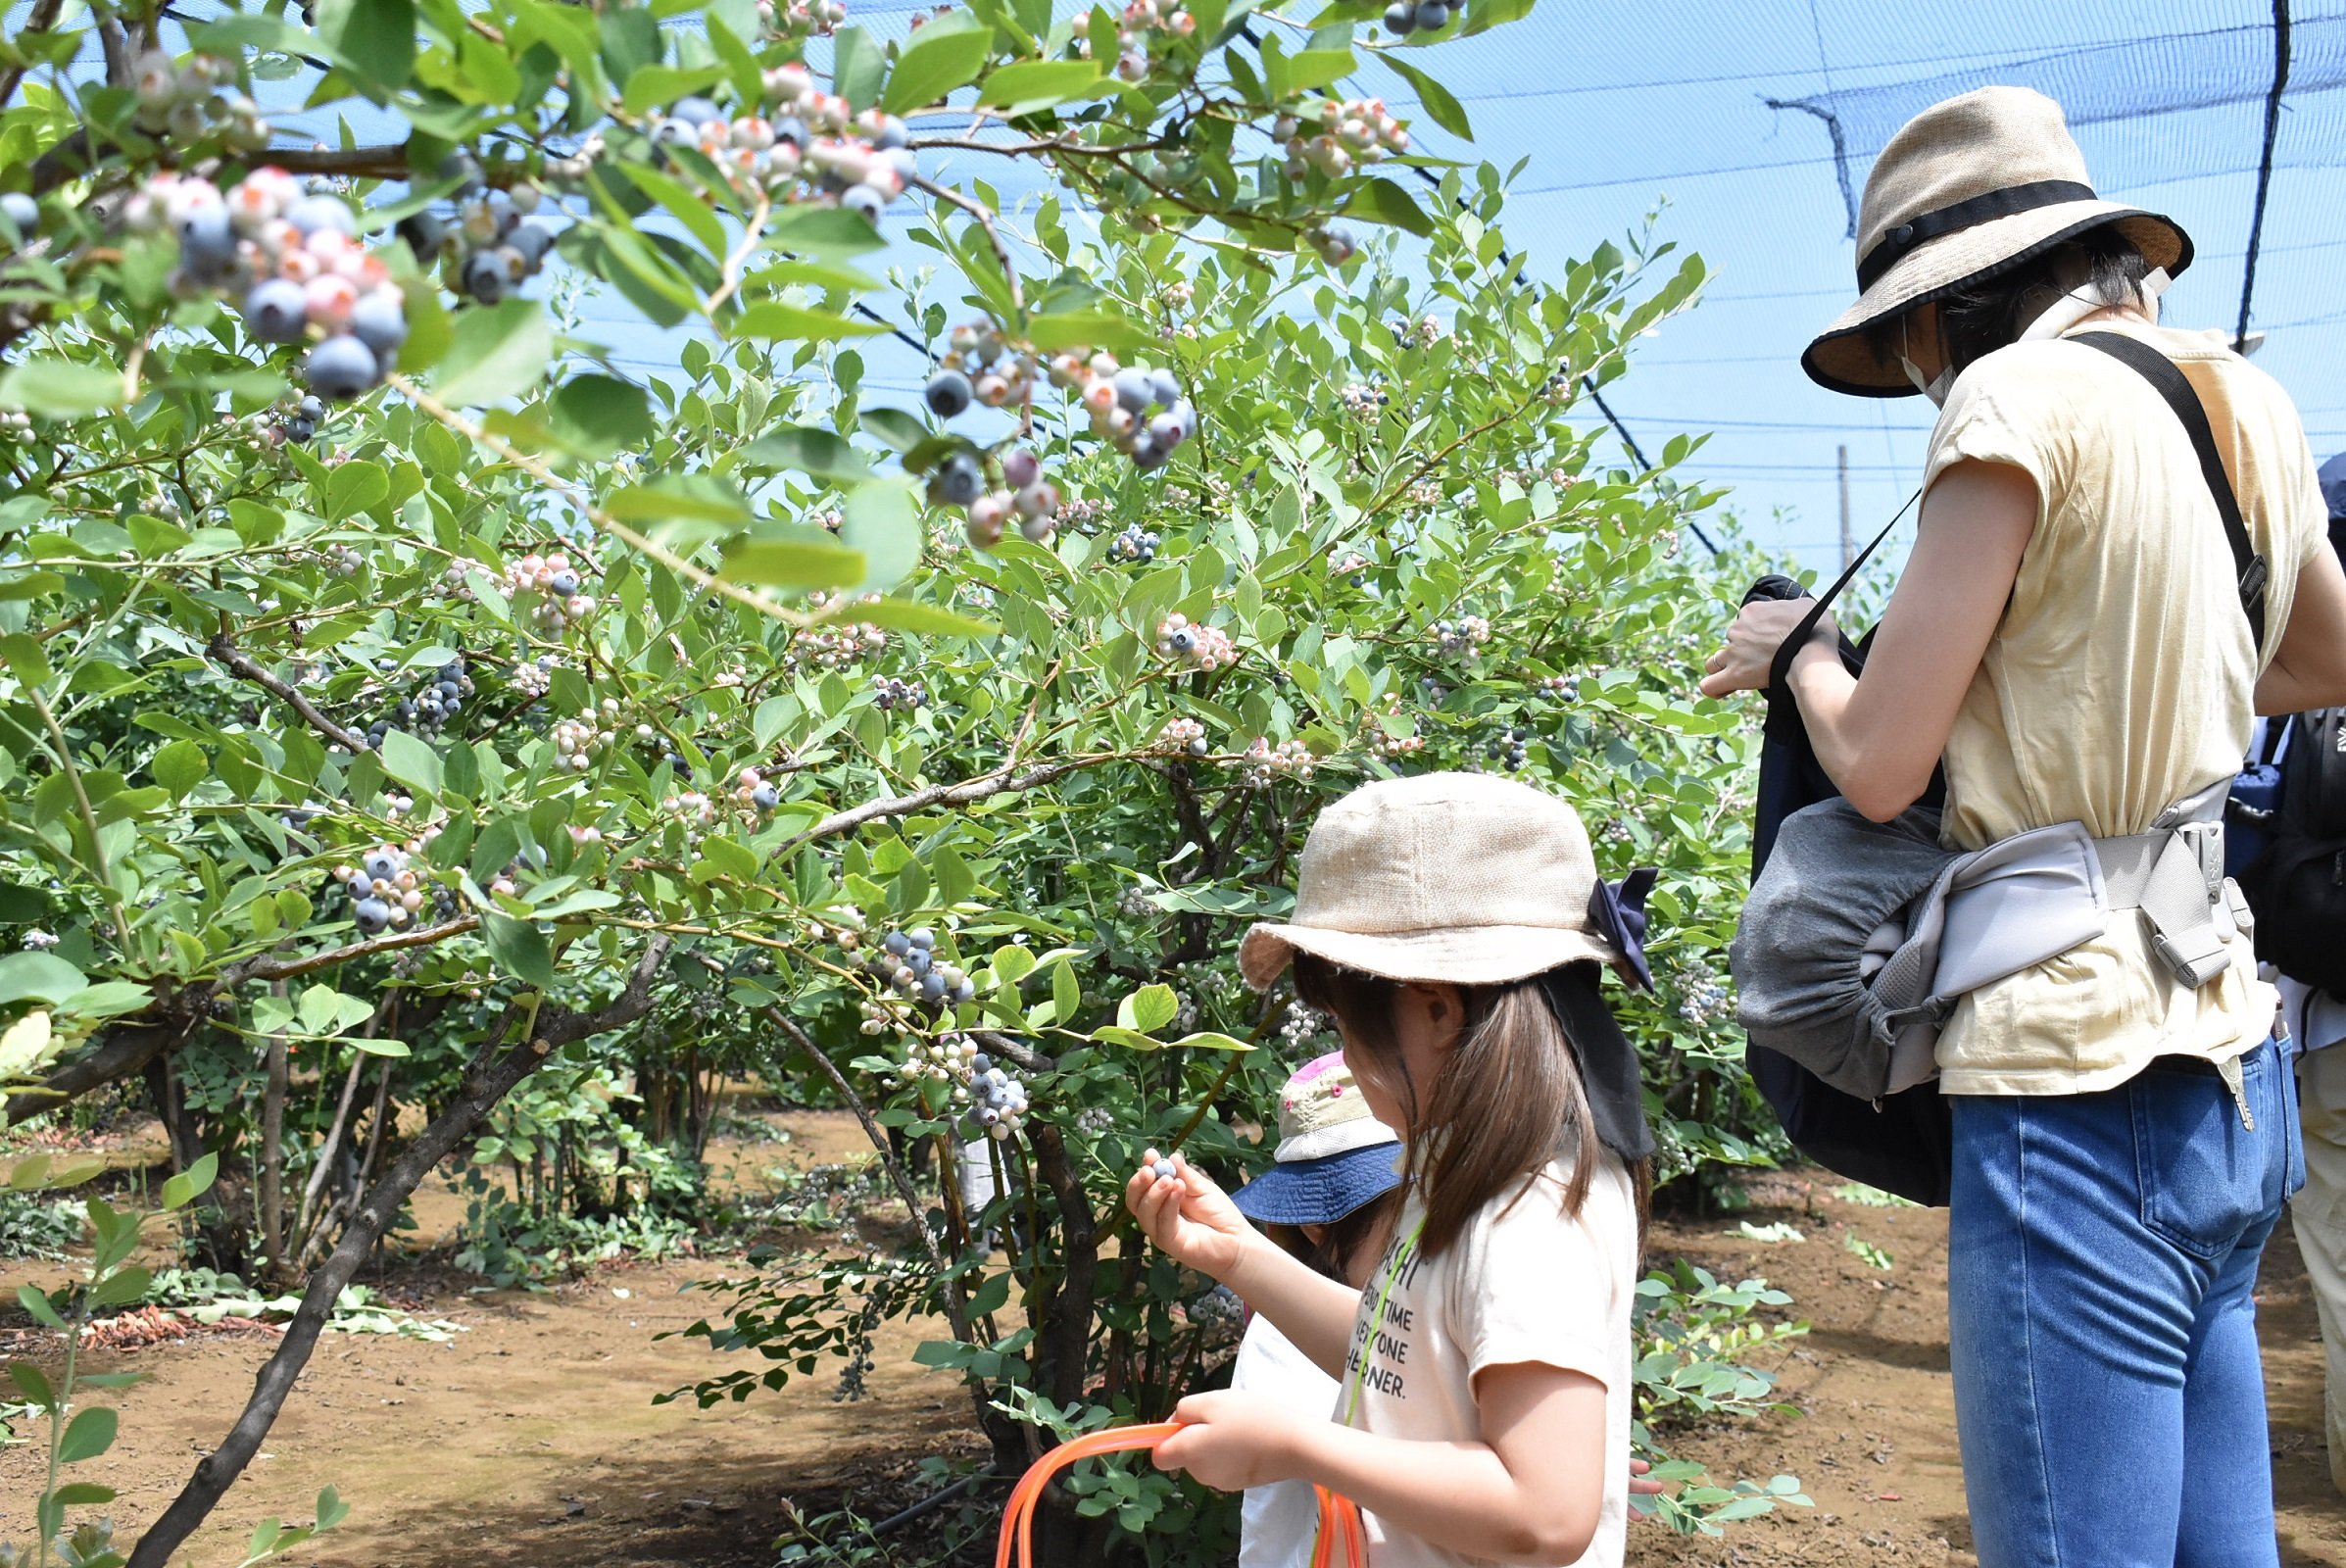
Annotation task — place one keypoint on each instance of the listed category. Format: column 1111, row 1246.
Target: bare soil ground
column 533, row 1437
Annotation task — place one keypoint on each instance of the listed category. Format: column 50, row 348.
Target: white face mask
column 1935, row 389
column 2063, row 313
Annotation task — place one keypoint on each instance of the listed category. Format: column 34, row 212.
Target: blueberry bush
column 422, row 739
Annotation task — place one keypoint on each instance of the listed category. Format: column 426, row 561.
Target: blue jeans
column 2102, row 1251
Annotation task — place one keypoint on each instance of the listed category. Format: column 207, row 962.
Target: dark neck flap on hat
column 1982, row 209
column 1608, row 1062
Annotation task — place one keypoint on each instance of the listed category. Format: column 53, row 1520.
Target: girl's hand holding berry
column 1191, row 1218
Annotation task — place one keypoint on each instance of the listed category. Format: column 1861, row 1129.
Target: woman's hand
column 1232, row 1441
column 1189, row 1217
column 1745, row 663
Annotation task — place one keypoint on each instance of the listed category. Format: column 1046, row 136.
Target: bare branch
column 493, row 1073
column 122, row 1051
column 275, row 968
column 239, row 664
column 1002, row 781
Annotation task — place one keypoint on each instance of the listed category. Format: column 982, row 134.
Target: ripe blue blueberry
column 381, row 322
column 980, row 1062
column 960, row 479
column 309, row 408
column 948, row 394
column 564, row 583
column 1164, row 387
column 1164, row 1170
column 486, row 277
column 207, row 242
column 765, row 796
column 967, row 991
column 1147, row 454
column 792, row 129
column 1432, row 13
column 864, row 202
column 674, row 132
column 424, row 234
column 1400, row 18
column 696, row 110
column 923, row 937
column 22, row 211
column 898, row 943
column 1183, row 641
column 372, row 915
column 275, row 312
column 314, row 212
column 300, row 430
column 1133, row 391
column 533, row 240
column 932, row 985
column 341, row 368
column 919, row 960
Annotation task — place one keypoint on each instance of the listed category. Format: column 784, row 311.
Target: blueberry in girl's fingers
column 1163, row 1169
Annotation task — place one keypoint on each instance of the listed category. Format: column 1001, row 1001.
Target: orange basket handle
column 1339, row 1517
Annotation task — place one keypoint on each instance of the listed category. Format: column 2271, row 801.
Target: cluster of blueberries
column 1208, row 648
column 1406, row 17
column 1141, row 19
column 1119, row 397
column 813, row 148
column 384, row 891
column 1135, row 544
column 998, row 1100
column 301, row 425
column 1508, row 748
column 494, row 242
column 889, row 694
column 440, row 700
column 293, row 251
column 908, row 961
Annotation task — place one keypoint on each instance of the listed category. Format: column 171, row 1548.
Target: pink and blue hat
column 1334, row 1156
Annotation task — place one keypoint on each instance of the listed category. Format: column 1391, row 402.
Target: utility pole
column 1848, row 539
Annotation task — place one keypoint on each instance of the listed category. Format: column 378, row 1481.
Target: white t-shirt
column 1277, row 1522
column 1531, row 1284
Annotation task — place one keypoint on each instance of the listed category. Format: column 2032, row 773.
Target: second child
column 1455, row 927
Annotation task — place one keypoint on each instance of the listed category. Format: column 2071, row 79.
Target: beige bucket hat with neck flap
column 1459, row 877
column 1969, row 189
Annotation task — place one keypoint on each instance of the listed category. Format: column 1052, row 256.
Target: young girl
column 1454, row 925
column 1330, row 1201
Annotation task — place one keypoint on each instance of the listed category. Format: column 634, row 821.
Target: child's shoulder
column 1535, row 1205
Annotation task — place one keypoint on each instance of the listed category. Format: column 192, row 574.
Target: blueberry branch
column 238, row 664
column 1002, row 781
column 273, row 968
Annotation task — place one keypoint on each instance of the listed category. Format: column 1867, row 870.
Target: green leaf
column 685, row 498
column 374, row 1046
column 881, row 520
column 85, row 1494
column 911, row 615
column 86, row 1436
column 1065, row 992
column 58, row 389
column 1379, row 200
column 857, row 67
column 120, row 1290
column 354, row 486
column 518, row 946
column 1441, row 104
column 375, row 39
column 823, row 454
column 948, row 52
column 22, row 653
column 1033, row 84
column 191, row 1182
column 601, row 416
column 36, row 1300
column 797, row 324
column 826, row 231
column 1130, row 1039
column 410, row 762
column 24, row 1046
column 1148, row 1008
column 697, row 218
column 497, row 352
column 792, row 563
column 178, row 768
column 35, row 1382
column 901, row 431
column 657, row 86
column 37, row 977
column 1088, row 330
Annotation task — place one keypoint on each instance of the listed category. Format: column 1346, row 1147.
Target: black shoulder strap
column 1781, row 665
column 2159, row 371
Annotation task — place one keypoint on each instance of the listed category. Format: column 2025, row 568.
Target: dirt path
column 1875, row 1443
column 533, row 1437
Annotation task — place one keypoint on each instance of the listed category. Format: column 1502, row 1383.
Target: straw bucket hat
column 1459, row 877
column 1969, row 189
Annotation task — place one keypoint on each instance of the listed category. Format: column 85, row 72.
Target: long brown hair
column 1343, row 1242
column 1509, row 1098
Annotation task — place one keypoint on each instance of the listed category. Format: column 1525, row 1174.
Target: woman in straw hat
column 2067, row 638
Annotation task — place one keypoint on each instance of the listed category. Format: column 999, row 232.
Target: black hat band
column 1982, row 209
